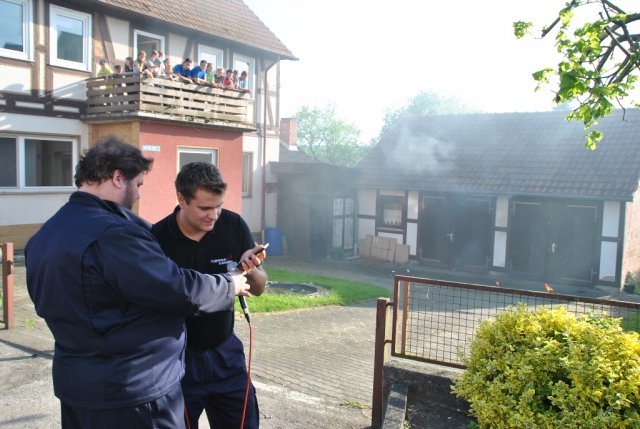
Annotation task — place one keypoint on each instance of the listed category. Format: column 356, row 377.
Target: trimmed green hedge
column 551, row 369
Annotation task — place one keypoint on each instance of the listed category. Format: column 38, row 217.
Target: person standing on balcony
column 211, row 76
column 243, row 83
column 228, row 80
column 128, row 65
column 140, row 66
column 201, row 235
column 184, row 70
column 105, row 70
column 219, row 77
column 151, row 61
column 114, row 302
column 199, row 73
column 168, row 70
column 158, row 68
column 234, row 78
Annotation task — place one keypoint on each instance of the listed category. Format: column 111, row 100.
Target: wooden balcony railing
column 130, row 97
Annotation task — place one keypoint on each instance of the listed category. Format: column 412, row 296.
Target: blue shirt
column 178, row 69
column 198, row 72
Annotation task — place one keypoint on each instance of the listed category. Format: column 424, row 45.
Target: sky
column 367, row 56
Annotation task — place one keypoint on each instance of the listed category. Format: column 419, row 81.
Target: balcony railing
column 130, row 97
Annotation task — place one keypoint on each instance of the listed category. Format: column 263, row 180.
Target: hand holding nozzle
column 239, row 283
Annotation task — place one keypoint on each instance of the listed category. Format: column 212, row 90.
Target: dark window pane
column 69, row 39
column 47, row 162
column 8, row 169
column 11, row 26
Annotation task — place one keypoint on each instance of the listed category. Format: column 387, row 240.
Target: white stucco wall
column 15, row 79
column 119, row 32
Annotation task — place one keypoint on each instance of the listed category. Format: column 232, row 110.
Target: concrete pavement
column 311, row 368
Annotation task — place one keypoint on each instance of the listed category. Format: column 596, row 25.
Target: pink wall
column 157, row 195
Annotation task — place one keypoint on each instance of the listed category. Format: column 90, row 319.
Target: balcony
column 118, row 98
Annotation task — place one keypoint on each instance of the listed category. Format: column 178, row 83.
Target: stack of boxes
column 383, row 249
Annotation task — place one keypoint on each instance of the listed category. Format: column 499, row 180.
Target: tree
column 424, row 103
column 599, row 65
column 327, row 138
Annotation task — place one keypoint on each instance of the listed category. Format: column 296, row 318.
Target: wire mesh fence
column 436, row 321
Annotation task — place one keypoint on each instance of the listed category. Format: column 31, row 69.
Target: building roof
column 294, row 156
column 507, row 154
column 228, row 19
column 298, row 162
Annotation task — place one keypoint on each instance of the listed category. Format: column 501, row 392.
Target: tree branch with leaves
column 600, row 59
column 326, row 138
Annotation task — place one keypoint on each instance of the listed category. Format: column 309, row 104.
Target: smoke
column 420, row 152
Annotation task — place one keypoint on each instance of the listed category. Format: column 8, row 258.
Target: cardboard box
column 402, row 253
column 383, row 248
column 364, row 246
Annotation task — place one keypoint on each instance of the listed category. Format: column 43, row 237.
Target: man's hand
column 240, row 283
column 250, row 259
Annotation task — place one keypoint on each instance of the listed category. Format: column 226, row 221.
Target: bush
column 549, row 369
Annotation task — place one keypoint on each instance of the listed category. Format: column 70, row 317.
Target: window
column 187, row 155
column 247, row 173
column 147, row 42
column 242, row 63
column 36, row 162
column 15, row 29
column 211, row 54
column 391, row 211
column 343, row 223
column 70, row 38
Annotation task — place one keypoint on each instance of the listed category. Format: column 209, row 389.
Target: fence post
column 7, row 285
column 380, row 357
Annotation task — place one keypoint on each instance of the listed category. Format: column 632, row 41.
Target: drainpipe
column 264, row 147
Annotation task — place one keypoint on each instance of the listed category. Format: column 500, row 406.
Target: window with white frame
column 242, row 63
column 187, row 155
column 147, row 42
column 36, row 162
column 211, row 54
column 70, row 38
column 247, row 173
column 15, row 29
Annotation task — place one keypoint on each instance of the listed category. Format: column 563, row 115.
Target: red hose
column 246, row 392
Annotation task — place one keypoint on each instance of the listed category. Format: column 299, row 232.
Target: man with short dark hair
column 201, row 235
column 183, row 71
column 199, row 73
column 114, row 303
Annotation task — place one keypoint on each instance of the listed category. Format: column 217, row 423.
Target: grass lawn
column 341, row 292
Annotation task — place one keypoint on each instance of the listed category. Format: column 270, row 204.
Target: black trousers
column 166, row 412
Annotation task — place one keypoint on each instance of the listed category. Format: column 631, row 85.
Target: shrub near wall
column 549, row 369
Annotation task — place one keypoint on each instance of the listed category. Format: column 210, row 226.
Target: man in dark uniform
column 114, row 303
column 200, row 234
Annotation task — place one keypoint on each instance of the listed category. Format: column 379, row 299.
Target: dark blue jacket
column 114, row 303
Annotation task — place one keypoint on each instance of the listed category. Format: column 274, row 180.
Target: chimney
column 289, row 132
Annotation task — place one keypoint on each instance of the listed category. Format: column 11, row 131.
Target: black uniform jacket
column 114, row 303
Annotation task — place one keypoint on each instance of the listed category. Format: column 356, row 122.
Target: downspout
column 264, row 148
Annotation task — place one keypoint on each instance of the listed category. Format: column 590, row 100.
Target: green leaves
column 551, row 369
column 521, row 28
column 327, row 138
column 599, row 65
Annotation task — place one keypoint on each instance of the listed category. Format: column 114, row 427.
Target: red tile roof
column 508, row 154
column 228, row 19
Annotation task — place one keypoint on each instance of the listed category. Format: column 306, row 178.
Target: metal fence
column 436, row 321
